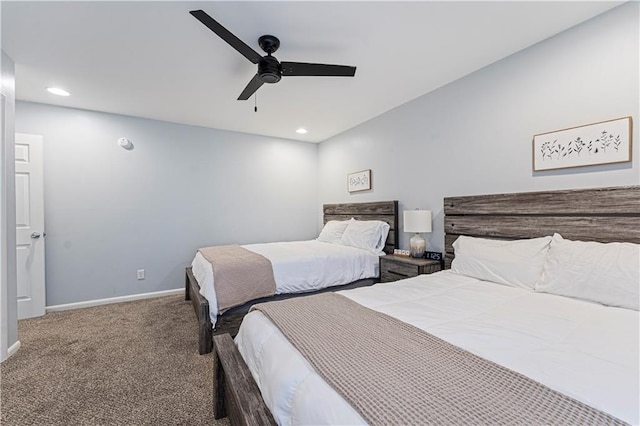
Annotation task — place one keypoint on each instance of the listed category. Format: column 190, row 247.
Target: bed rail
column 242, row 401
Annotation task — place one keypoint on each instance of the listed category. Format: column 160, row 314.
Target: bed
column 293, row 258
column 577, row 350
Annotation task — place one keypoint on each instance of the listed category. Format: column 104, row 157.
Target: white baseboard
column 13, row 349
column 120, row 299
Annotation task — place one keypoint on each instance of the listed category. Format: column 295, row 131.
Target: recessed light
column 301, row 130
column 58, row 91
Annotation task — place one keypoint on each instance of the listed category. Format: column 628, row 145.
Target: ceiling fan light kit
column 270, row 70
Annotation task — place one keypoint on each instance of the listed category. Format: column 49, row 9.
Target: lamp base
column 417, row 244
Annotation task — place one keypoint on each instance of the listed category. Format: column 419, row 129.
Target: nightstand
column 393, row 268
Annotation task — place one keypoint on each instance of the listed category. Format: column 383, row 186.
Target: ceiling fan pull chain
column 255, row 99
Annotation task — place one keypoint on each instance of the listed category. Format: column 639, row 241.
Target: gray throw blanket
column 239, row 275
column 394, row 373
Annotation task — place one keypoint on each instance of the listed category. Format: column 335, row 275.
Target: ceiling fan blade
column 303, row 69
column 251, row 88
column 226, row 35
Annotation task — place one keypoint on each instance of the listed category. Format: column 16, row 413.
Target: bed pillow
column 516, row 263
column 332, row 231
column 604, row 273
column 369, row 235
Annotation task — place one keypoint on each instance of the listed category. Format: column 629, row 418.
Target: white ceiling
column 154, row 60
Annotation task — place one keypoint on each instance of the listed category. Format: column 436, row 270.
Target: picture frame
column 604, row 142
column 359, row 181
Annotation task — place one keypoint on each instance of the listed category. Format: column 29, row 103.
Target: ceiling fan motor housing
column 269, row 70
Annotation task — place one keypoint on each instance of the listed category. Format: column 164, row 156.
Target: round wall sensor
column 125, row 143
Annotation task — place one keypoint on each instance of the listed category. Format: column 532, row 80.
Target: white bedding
column 298, row 266
column 584, row 350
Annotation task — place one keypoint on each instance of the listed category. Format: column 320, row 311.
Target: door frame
column 8, row 285
column 4, row 299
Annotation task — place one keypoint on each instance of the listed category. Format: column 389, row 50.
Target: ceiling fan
column 270, row 70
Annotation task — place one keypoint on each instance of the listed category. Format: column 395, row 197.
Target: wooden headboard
column 601, row 214
column 386, row 211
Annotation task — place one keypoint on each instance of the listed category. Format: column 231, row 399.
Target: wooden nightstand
column 394, row 268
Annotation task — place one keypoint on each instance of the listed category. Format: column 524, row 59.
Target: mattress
column 298, row 267
column 584, row 350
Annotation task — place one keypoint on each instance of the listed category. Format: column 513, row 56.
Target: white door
column 30, row 225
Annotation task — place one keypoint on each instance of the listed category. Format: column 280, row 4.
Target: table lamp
column 417, row 221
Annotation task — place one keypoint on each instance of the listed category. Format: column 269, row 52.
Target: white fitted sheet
column 584, row 350
column 298, row 267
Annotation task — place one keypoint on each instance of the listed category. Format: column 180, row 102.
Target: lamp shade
column 417, row 220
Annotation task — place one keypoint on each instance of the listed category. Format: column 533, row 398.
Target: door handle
column 35, row 235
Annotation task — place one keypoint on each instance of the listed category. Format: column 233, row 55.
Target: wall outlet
column 141, row 274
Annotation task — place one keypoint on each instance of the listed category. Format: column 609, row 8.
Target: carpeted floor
column 132, row 363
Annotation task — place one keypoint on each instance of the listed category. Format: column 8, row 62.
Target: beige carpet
column 132, row 363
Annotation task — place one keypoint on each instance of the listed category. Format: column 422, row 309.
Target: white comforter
column 581, row 349
column 298, row 266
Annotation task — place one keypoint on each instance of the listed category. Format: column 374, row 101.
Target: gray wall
column 474, row 135
column 110, row 212
column 8, row 288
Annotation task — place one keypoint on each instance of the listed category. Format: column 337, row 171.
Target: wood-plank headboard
column 386, row 211
column 600, row 214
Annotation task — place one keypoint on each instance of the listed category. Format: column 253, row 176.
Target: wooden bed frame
column 229, row 322
column 603, row 214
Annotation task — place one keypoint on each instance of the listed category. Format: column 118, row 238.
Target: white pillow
column 369, row 235
column 516, row 263
column 332, row 231
column 602, row 273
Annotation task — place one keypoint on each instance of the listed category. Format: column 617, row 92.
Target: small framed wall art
column 605, row 142
column 359, row 181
